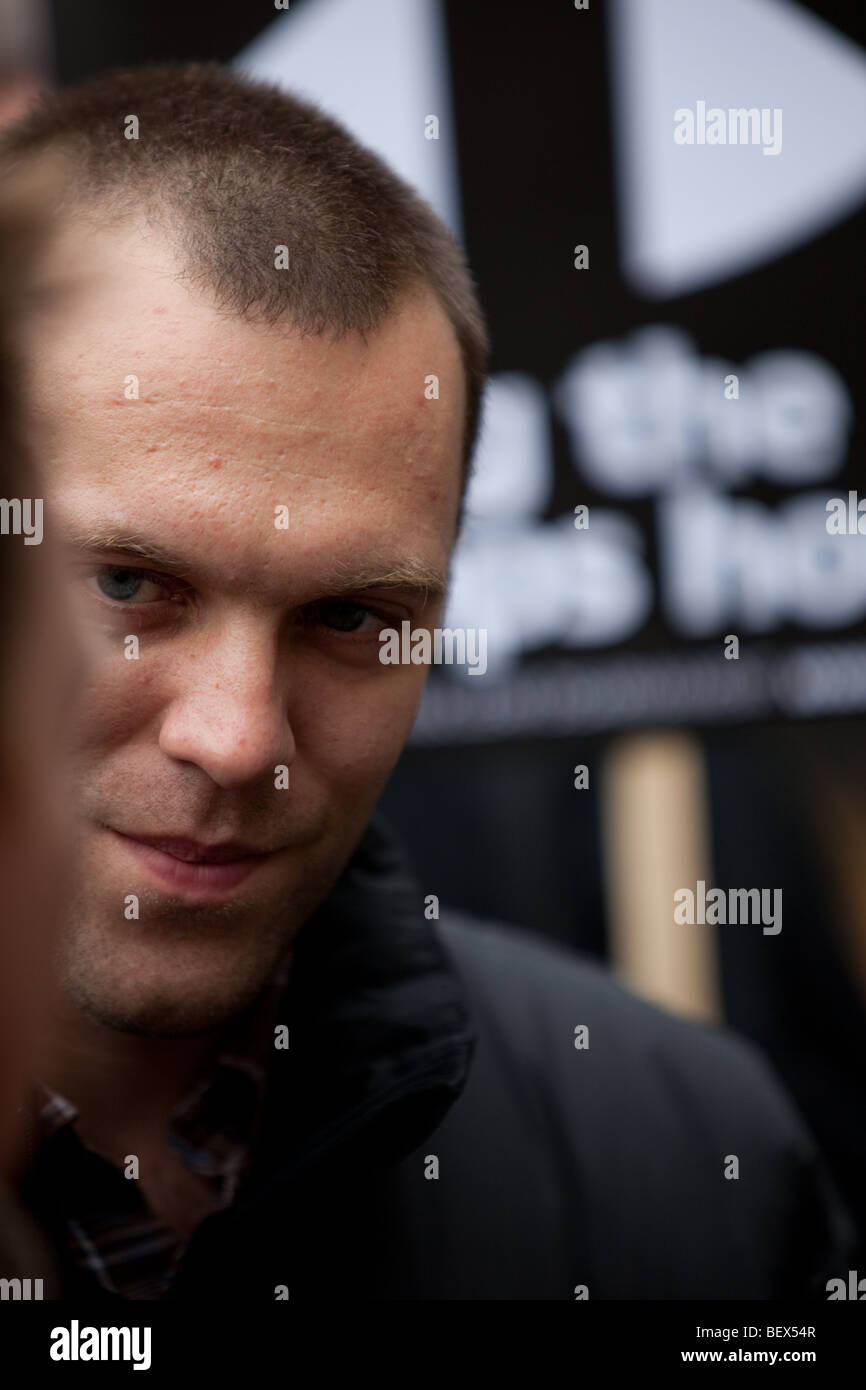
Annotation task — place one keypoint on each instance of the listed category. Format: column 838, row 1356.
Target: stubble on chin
column 176, row 971
column 181, row 969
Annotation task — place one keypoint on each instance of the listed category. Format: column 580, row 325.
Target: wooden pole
column 655, row 838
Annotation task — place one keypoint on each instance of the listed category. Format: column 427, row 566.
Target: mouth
column 189, row 867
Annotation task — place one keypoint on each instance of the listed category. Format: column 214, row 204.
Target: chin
column 156, row 1000
column 166, row 980
column 155, row 1014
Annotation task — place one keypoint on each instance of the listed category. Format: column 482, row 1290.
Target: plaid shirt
column 112, row 1231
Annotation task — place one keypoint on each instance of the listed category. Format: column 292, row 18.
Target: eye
column 340, row 615
column 124, row 585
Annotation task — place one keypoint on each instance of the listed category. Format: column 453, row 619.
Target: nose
column 230, row 716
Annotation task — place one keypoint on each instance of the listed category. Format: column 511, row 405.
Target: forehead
column 152, row 395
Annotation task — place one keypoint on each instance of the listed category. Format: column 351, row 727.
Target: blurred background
column 677, row 347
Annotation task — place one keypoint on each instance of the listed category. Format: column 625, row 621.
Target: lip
column 194, row 852
column 185, row 866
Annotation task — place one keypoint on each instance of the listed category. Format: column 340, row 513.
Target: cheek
column 116, row 691
column 354, row 731
column 117, row 699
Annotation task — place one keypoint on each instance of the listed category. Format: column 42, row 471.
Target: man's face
column 257, row 646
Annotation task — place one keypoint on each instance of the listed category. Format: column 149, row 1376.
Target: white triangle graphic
column 693, row 215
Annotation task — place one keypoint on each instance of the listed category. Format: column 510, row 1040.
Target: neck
column 120, row 1083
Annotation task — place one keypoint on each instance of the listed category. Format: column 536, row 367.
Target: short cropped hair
column 235, row 168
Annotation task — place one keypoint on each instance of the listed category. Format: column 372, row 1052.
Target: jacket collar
column 380, row 1037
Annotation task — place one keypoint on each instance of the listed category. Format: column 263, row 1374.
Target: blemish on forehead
column 214, row 461
column 159, row 309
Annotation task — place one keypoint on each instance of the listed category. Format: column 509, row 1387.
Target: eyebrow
column 407, row 573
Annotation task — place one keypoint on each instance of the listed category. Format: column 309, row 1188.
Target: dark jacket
column 433, row 1132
